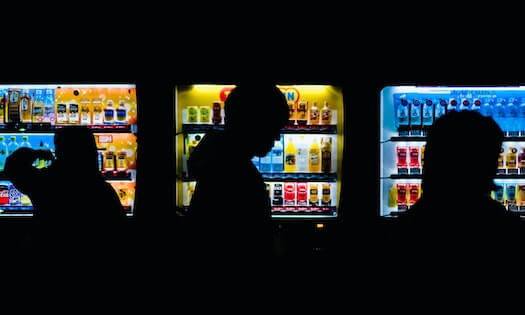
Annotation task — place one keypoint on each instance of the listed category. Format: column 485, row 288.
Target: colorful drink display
column 69, row 105
column 407, row 114
column 302, row 169
column 30, row 113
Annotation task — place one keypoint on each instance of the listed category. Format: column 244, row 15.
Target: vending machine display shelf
column 423, row 139
column 289, row 177
column 117, row 176
column 314, row 129
column 419, row 176
column 49, row 128
column 303, row 210
column 15, row 209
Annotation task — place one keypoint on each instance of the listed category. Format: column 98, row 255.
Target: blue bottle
column 512, row 113
column 428, row 112
column 3, row 153
column 500, row 114
column 415, row 116
column 277, row 157
column 465, row 104
column 487, row 107
column 521, row 117
column 266, row 163
column 401, row 108
column 440, row 109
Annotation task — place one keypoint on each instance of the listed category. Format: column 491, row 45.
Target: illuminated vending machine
column 302, row 171
column 406, row 114
column 30, row 114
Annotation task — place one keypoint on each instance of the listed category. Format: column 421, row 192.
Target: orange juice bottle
column 290, row 157
column 314, row 157
column 314, row 194
column 327, row 195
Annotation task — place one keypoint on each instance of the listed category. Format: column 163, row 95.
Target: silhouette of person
column 76, row 212
column 455, row 216
column 230, row 208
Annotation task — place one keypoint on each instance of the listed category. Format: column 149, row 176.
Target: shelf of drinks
column 28, row 210
column 315, row 129
column 423, row 139
column 419, row 176
column 325, row 211
column 49, row 128
column 117, row 176
column 109, row 176
column 289, row 177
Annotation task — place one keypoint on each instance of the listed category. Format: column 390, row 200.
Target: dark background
column 362, row 57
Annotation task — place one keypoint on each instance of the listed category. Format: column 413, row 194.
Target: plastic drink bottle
column 314, row 157
column 277, row 157
column 290, row 162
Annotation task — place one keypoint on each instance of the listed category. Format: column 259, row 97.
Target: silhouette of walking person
column 455, row 216
column 76, row 212
column 230, row 209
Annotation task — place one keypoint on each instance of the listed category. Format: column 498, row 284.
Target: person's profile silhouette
column 76, row 212
column 456, row 214
column 230, row 209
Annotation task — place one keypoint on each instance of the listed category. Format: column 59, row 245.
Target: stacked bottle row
column 291, row 154
column 415, row 112
column 510, row 194
column 301, row 113
column 289, row 196
column 403, row 195
column 68, row 106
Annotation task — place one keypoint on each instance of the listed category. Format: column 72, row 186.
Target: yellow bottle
column 290, row 161
column 327, row 195
column 392, row 197
column 314, row 157
column 511, row 158
column 314, row 194
column 85, row 111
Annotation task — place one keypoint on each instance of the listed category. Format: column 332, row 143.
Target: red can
column 4, row 195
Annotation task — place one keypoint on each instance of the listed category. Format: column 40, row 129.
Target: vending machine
column 302, row 172
column 406, row 114
column 31, row 113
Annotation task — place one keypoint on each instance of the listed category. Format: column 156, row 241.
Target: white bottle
column 302, row 155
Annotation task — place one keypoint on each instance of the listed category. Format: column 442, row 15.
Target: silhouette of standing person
column 230, row 209
column 456, row 218
column 76, row 212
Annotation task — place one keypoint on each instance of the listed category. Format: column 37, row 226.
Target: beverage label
column 109, row 162
column 205, row 114
column 15, row 196
column 217, row 117
column 4, row 194
column 401, row 157
column 62, row 113
column 277, row 199
column 440, row 109
column 193, row 114
column 415, row 113
column 109, row 113
column 314, row 194
column 73, row 114
column 290, row 159
column 302, row 194
column 414, row 157
column 326, row 195
column 428, row 112
column 510, row 194
column 401, row 194
column 414, row 193
column 98, row 117
column 289, row 194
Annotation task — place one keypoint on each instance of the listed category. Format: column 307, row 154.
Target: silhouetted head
column 461, row 156
column 76, row 146
column 255, row 114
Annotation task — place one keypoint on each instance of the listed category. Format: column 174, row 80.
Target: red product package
column 289, row 194
column 302, row 194
column 4, row 195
